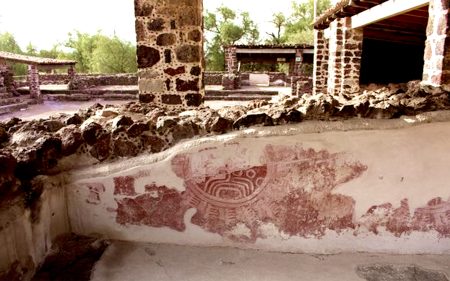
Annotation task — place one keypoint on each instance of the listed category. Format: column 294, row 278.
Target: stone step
column 238, row 98
column 5, row 95
column 63, row 97
column 95, row 92
column 4, row 109
column 120, row 96
column 7, row 101
column 240, row 92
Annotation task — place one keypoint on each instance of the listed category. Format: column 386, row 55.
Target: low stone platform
column 124, row 261
column 10, row 103
column 62, row 93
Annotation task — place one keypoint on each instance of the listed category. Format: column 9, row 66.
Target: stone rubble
column 105, row 132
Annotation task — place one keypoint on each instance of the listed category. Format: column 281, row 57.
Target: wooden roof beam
column 386, row 10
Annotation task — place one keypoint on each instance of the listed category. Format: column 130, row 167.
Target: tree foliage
column 279, row 21
column 298, row 27
column 9, row 44
column 225, row 27
column 113, row 55
column 95, row 53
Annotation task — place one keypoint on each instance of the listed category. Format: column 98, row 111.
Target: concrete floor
column 124, row 261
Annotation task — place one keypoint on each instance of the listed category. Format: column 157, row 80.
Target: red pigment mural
column 293, row 190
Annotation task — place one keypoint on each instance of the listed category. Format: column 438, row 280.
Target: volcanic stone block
column 152, row 86
column 184, row 86
column 147, row 56
column 196, row 71
column 171, row 99
column 194, row 99
column 166, row 39
column 146, row 98
column 188, row 53
column 156, row 24
column 175, row 71
column 168, row 56
column 195, row 36
column 142, row 8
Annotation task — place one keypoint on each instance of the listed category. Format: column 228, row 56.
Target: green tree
column 9, row 44
column 279, row 21
column 113, row 55
column 299, row 27
column 83, row 46
column 31, row 50
column 225, row 27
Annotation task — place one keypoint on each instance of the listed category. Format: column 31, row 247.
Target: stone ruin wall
column 215, row 77
column 437, row 47
column 6, row 79
column 81, row 82
column 338, row 58
column 170, row 52
column 291, row 188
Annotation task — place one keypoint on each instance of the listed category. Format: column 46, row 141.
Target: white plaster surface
column 259, row 79
column 403, row 161
column 25, row 240
column 130, row 261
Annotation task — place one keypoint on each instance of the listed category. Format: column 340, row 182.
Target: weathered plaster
column 293, row 188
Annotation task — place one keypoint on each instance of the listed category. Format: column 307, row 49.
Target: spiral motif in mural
column 230, row 189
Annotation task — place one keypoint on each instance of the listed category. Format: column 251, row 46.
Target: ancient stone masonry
column 33, row 74
column 437, row 51
column 320, row 62
column 345, row 49
column 170, row 52
column 231, row 63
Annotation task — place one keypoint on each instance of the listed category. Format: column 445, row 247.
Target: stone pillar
column 71, row 72
column 345, row 58
column 298, row 63
column 351, row 59
column 436, row 73
column 33, row 79
column 320, row 73
column 231, row 63
column 335, row 57
column 170, row 52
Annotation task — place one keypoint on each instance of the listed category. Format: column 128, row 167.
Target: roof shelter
column 34, row 65
column 294, row 55
column 382, row 41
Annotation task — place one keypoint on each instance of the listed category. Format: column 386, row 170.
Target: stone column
column 231, row 63
column 345, row 58
column 320, row 62
column 298, row 62
column 351, row 59
column 335, row 57
column 33, row 78
column 436, row 73
column 71, row 72
column 170, row 52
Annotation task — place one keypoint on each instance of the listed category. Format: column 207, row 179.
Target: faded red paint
column 400, row 221
column 158, row 207
column 435, row 216
column 124, row 186
column 294, row 189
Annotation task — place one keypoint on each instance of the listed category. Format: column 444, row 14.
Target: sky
column 47, row 22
